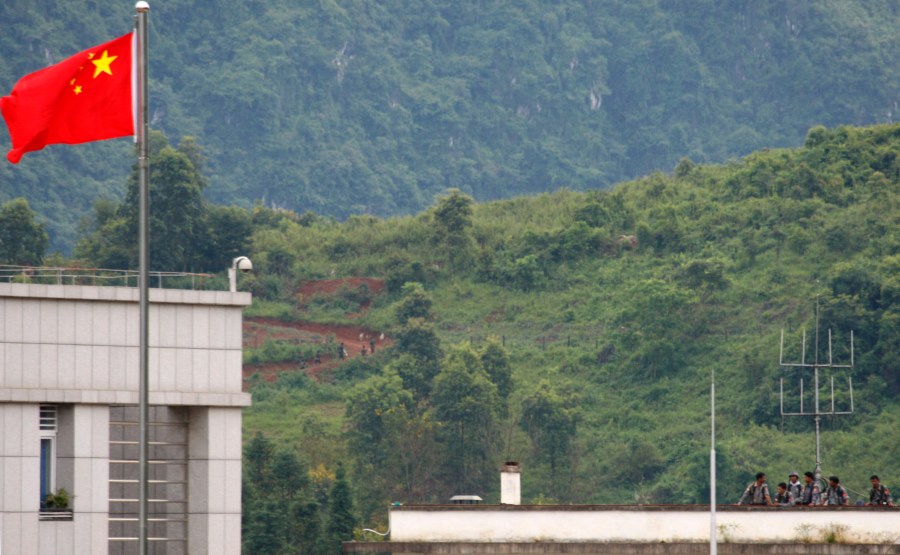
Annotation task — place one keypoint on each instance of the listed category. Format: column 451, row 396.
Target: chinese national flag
column 84, row 98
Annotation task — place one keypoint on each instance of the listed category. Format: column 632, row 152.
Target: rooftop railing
column 108, row 277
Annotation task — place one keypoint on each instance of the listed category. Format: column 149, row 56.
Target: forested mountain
column 359, row 107
column 578, row 333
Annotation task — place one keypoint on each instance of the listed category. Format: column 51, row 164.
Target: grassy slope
column 598, row 321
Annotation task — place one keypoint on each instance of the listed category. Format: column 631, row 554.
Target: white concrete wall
column 19, row 478
column 82, row 448
column 77, row 347
column 214, row 470
column 571, row 524
column 82, row 462
column 76, row 344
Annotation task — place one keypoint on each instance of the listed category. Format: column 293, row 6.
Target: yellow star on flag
column 77, row 89
column 103, row 64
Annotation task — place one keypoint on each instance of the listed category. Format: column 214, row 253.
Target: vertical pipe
column 712, row 469
column 781, row 349
column 142, row 8
column 829, row 347
column 803, row 349
column 816, row 342
column 850, row 381
column 781, row 394
column 801, row 395
column 832, row 394
column 851, row 348
column 817, row 418
column 232, row 279
column 818, row 470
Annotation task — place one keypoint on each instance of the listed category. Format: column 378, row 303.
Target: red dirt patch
column 354, row 338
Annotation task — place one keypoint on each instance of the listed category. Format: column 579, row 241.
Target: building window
column 48, row 451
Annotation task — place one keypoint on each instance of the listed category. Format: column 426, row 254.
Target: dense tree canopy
column 23, row 239
column 185, row 232
column 354, row 106
column 594, row 371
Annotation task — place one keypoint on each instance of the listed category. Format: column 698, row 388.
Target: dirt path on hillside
column 356, row 339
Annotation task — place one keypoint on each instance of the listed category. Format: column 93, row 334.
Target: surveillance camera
column 243, row 264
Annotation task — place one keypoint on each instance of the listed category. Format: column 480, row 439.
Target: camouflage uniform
column 810, row 494
column 795, row 489
column 756, row 494
column 836, row 496
column 880, row 496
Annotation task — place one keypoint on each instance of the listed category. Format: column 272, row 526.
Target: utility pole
column 713, row 537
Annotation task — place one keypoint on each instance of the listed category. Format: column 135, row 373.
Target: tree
column 175, row 217
column 224, row 234
column 495, row 361
column 262, row 522
column 22, row 238
column 258, row 453
column 368, row 405
column 658, row 324
column 341, row 520
column 419, row 340
column 452, row 224
column 263, row 527
column 185, row 233
column 466, row 403
column 289, row 477
column 107, row 241
column 550, row 417
column 416, row 303
column 279, row 513
column 416, row 374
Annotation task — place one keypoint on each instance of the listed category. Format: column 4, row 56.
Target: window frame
column 48, row 426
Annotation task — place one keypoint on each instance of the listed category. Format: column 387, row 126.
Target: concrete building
column 68, row 417
column 514, row 529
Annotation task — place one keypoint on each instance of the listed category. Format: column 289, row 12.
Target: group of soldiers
column 809, row 493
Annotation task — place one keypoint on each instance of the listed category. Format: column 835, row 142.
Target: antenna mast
column 816, row 413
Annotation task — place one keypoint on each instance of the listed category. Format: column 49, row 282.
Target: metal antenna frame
column 817, row 413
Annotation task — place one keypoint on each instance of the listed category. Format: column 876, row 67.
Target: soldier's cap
column 793, row 473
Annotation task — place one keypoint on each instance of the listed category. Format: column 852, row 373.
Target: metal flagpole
column 712, row 468
column 142, row 8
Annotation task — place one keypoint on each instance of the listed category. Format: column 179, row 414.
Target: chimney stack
column 510, row 484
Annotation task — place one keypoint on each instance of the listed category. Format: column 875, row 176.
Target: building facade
column 69, row 420
column 634, row 530
column 514, row 529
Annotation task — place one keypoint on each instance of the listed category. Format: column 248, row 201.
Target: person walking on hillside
column 811, row 493
column 835, row 495
column 794, row 487
column 879, row 496
column 372, row 344
column 757, row 492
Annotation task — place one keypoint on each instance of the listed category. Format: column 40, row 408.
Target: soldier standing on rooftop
column 879, row 496
column 757, row 492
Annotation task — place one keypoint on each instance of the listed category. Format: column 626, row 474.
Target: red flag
column 84, row 98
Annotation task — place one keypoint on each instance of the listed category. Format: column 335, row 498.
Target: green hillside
column 359, row 107
column 578, row 333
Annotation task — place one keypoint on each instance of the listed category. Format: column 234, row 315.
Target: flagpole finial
column 142, row 6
